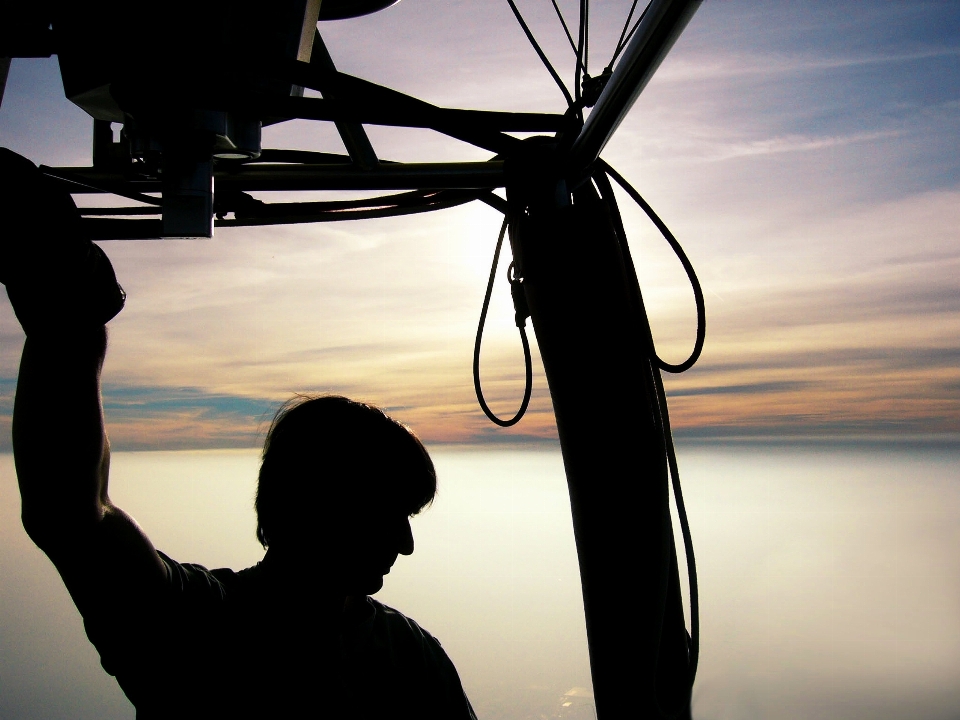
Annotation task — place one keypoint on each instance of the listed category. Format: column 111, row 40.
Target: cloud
column 744, row 389
column 731, row 64
column 805, row 159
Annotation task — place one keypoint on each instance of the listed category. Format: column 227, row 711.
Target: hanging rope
column 522, row 312
column 687, row 266
column 566, row 29
column 626, row 24
column 662, row 415
column 624, row 39
column 581, row 71
column 694, row 658
column 585, row 57
column 543, row 58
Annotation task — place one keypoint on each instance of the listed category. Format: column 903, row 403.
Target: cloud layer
column 805, row 157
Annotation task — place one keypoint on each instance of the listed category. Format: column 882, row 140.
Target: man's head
column 338, row 482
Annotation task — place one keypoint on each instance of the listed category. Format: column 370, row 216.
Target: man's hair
column 327, row 451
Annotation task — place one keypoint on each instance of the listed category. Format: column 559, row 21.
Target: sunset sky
column 805, row 154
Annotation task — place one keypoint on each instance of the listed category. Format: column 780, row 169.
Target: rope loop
column 652, row 366
column 687, row 266
column 522, row 312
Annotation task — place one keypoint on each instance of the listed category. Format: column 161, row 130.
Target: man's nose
column 406, row 538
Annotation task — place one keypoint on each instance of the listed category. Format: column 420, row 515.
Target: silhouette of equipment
column 193, row 83
column 601, row 366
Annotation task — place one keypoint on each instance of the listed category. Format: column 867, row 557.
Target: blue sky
column 805, row 154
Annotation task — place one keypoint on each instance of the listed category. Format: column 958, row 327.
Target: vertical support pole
column 103, row 148
column 4, row 71
column 599, row 370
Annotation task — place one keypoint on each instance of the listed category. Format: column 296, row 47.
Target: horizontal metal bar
column 121, row 228
column 263, row 177
column 361, row 96
column 261, row 214
column 659, row 29
column 342, row 215
column 395, row 108
column 405, row 176
column 435, row 118
column 86, row 183
column 117, row 211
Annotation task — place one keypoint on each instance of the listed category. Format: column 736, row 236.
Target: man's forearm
column 59, row 442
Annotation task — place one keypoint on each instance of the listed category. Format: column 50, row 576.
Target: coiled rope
column 522, row 312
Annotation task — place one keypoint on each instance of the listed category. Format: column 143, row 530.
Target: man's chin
column 366, row 585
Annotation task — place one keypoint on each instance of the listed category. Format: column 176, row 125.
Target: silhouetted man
column 294, row 636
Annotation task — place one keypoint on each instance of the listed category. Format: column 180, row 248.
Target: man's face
column 352, row 543
column 365, row 546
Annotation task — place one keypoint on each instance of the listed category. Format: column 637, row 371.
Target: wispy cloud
column 731, row 64
column 790, row 144
column 806, row 159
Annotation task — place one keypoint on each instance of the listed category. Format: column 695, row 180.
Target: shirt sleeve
column 143, row 643
column 401, row 664
column 448, row 680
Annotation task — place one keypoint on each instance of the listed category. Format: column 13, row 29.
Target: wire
column 687, row 266
column 104, row 187
column 88, row 211
column 586, row 36
column 662, row 418
column 694, row 657
column 579, row 69
column 250, row 212
column 623, row 32
column 573, row 45
column 543, row 58
column 623, row 44
column 528, row 364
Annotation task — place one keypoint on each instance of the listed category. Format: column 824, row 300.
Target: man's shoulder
column 392, row 627
column 404, row 656
column 190, row 585
column 392, row 618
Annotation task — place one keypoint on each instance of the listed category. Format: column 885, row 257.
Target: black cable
column 566, row 29
column 515, row 283
column 104, row 187
column 694, row 657
column 687, row 266
column 623, row 44
column 256, row 213
column 543, row 58
column 626, row 24
column 579, row 70
column 586, row 36
column 117, row 211
column 662, row 420
column 297, row 157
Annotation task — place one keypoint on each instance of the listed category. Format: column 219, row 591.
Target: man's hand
column 58, row 281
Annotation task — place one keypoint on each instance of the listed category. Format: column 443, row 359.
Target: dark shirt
column 225, row 644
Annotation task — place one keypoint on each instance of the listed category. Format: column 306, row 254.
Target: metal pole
column 659, row 29
column 598, row 366
column 4, row 71
column 267, row 177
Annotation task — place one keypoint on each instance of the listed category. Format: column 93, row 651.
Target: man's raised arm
column 63, row 291
column 62, row 457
